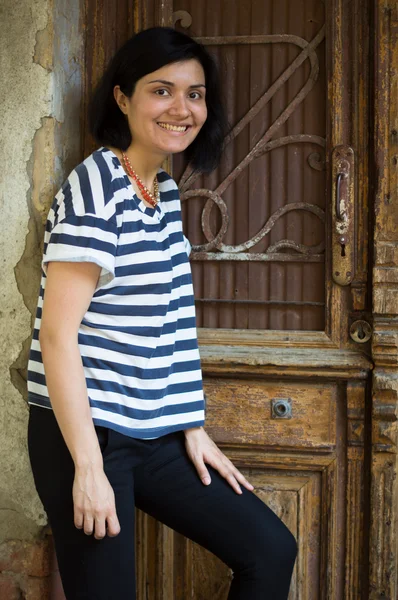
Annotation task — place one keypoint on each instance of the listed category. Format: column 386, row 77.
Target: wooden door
column 280, row 267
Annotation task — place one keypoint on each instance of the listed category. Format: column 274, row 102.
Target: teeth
column 172, row 127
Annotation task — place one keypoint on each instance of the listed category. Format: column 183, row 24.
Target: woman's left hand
column 202, row 450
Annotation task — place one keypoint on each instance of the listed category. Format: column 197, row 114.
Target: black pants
column 158, row 477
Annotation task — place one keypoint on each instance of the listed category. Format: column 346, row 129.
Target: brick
column 28, row 558
column 9, row 588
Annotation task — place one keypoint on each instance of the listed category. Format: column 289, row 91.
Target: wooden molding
column 384, row 484
column 251, row 337
column 297, row 362
column 385, row 342
column 383, row 548
column 355, row 526
column 385, row 411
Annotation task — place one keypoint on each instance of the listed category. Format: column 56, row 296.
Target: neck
column 145, row 164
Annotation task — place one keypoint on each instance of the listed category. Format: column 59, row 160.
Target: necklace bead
column 152, row 199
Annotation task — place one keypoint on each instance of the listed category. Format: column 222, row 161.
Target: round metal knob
column 281, row 408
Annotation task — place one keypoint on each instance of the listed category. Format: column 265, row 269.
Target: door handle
column 340, row 176
column 343, row 223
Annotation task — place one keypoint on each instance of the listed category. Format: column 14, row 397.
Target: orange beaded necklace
column 152, row 199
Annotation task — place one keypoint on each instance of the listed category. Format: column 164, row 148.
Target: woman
column 115, row 347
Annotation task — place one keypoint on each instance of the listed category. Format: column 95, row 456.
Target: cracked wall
column 40, row 91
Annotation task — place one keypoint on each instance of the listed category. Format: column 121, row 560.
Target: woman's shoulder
column 168, row 187
column 102, row 162
column 93, row 180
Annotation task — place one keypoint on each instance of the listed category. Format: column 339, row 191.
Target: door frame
column 384, row 467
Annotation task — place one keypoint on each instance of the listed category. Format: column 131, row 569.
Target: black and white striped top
column 138, row 338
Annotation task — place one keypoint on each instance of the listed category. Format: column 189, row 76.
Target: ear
column 121, row 99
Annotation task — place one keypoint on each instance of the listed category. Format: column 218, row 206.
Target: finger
column 78, row 518
column 230, row 467
column 99, row 527
column 226, row 469
column 202, row 472
column 88, row 525
column 113, row 525
column 233, row 483
column 242, row 479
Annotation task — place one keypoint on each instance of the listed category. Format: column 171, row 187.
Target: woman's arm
column 69, row 290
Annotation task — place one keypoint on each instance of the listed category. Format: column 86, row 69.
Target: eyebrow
column 196, row 85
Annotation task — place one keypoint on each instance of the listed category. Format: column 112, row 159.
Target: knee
column 288, row 546
column 279, row 549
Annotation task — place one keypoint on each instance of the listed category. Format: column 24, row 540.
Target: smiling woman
column 143, row 58
column 115, row 384
column 165, row 113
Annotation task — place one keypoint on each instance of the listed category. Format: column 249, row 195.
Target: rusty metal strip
column 302, row 248
column 258, row 257
column 315, row 160
column 316, row 210
column 215, row 241
column 286, row 302
column 213, row 197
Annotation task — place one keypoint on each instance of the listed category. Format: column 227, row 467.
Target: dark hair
column 144, row 53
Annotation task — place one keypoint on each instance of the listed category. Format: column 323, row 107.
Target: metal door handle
column 343, row 222
column 340, row 176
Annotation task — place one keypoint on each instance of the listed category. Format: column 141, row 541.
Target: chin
column 174, row 148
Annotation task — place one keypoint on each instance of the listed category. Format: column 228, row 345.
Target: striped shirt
column 138, row 339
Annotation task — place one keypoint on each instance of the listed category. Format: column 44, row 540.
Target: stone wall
column 40, row 87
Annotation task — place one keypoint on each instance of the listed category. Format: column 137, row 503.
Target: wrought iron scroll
column 215, row 249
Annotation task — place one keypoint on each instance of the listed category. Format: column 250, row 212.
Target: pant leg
column 240, row 529
column 90, row 569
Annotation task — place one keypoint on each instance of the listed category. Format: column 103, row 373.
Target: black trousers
column 158, row 477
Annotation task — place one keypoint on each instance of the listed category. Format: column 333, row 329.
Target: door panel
column 290, row 415
column 266, row 271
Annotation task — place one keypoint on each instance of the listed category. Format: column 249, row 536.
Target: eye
column 195, row 95
column 162, row 92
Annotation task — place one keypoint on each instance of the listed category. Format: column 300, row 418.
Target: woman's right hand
column 94, row 502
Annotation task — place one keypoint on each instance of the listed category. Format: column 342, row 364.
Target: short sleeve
column 188, row 247
column 84, row 238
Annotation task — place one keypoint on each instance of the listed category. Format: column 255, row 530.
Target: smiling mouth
column 176, row 128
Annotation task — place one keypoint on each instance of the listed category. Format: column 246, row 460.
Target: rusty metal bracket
column 343, row 223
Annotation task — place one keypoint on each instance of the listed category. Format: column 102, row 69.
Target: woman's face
column 167, row 109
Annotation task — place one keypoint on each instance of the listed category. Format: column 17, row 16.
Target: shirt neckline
column 147, row 210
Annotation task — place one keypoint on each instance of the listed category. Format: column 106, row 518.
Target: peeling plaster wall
column 40, row 60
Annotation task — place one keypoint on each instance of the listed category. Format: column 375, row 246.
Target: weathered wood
column 355, row 524
column 312, row 424
column 297, row 362
column 384, row 490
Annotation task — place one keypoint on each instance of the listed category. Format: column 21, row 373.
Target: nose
column 180, row 106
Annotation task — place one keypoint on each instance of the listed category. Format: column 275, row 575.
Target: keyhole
column 342, row 241
column 361, row 333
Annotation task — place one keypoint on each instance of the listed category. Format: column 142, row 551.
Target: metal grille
column 258, row 223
